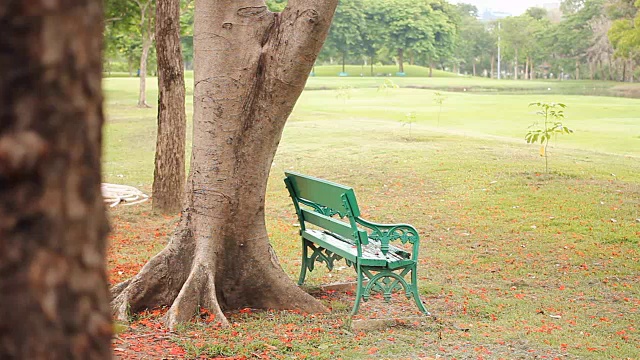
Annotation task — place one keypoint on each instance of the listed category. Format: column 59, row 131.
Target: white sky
column 515, row 7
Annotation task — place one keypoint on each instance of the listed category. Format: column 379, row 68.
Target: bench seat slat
column 371, row 254
column 331, row 243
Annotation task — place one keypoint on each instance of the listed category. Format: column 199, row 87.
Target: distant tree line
column 585, row 39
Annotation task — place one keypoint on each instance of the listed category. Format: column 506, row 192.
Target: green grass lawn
column 515, row 262
column 378, row 70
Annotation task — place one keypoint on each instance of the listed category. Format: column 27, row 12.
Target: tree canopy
column 576, row 39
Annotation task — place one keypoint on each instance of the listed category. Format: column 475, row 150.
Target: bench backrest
column 326, row 199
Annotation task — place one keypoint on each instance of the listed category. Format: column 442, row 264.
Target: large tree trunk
column 532, row 70
column 343, row 60
column 142, row 93
column 169, row 174
column 611, row 71
column 493, row 66
column 250, row 68
column 371, row 65
column 54, row 300
column 400, row 60
column 600, row 69
column 148, row 34
column 515, row 66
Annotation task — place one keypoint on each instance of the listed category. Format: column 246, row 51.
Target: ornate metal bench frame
column 369, row 251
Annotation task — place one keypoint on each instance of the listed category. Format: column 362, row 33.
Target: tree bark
column 400, row 60
column 372, row 66
column 54, row 300
column 493, row 66
column 147, row 30
column 611, row 70
column 515, row 66
column 169, row 174
column 142, row 94
column 250, row 68
column 577, row 70
column 343, row 61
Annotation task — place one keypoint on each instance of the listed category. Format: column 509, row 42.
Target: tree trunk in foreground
column 54, row 300
column 250, row 68
column 168, row 177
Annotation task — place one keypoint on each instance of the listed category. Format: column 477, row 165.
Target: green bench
column 332, row 229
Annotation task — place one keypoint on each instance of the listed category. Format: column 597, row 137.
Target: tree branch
column 295, row 43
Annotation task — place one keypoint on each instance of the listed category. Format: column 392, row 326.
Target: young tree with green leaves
column 516, row 35
column 552, row 115
column 134, row 20
column 625, row 38
column 473, row 40
column 422, row 26
column 371, row 44
column 345, row 34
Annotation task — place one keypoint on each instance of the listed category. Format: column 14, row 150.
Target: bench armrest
column 385, row 233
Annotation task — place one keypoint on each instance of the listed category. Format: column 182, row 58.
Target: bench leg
column 414, row 291
column 359, row 291
column 305, row 259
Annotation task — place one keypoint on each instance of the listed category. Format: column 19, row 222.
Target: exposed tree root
column 221, row 259
column 158, row 282
column 185, row 280
column 197, row 291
